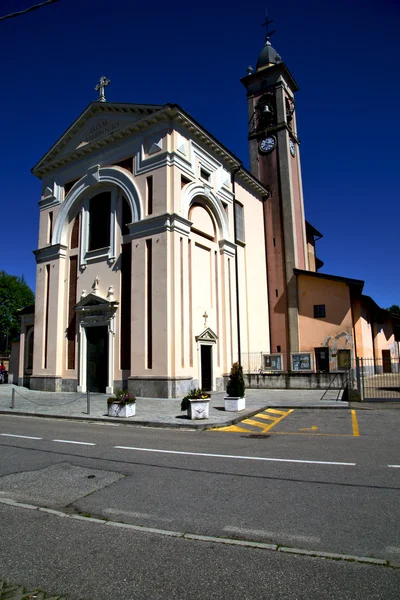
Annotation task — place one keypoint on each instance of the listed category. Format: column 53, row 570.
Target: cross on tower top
column 100, row 88
column 266, row 24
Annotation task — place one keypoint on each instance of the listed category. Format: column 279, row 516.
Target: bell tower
column 275, row 161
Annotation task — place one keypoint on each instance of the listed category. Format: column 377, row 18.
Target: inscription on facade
column 101, row 129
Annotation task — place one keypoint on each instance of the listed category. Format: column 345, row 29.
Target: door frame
column 211, row 345
column 207, row 338
column 82, row 377
column 94, row 311
column 316, row 352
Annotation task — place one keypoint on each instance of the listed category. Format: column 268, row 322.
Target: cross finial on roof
column 100, row 88
column 266, row 24
column 205, row 318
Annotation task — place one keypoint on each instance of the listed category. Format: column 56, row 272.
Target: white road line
column 262, row 458
column 273, row 534
column 394, row 466
column 25, row 437
column 72, row 442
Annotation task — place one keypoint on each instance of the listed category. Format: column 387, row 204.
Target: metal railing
column 379, row 378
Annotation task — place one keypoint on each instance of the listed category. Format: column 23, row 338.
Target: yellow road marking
column 231, row 428
column 278, row 412
column 356, row 431
column 264, row 416
column 313, row 428
column 264, row 427
column 252, row 422
column 320, row 434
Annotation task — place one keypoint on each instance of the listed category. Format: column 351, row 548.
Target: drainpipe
column 236, row 266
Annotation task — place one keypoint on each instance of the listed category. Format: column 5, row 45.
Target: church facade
column 162, row 260
column 151, row 256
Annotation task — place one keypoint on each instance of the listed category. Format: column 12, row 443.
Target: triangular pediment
column 207, row 336
column 99, row 123
column 92, row 300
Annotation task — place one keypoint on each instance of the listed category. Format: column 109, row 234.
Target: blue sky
column 344, row 55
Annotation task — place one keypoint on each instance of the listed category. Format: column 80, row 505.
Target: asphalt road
column 324, row 481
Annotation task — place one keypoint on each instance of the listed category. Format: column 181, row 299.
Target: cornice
column 159, row 224
column 50, row 253
column 164, row 113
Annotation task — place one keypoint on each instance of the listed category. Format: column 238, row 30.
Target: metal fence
column 379, row 378
column 374, row 378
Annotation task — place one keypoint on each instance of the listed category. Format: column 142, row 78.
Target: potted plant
column 123, row 405
column 197, row 404
column 235, row 400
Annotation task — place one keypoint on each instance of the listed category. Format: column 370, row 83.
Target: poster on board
column 301, row 361
column 272, row 362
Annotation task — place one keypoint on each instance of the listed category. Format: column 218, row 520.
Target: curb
column 381, row 562
column 165, row 425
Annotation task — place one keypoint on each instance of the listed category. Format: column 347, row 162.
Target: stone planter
column 234, row 404
column 121, row 409
column 199, row 408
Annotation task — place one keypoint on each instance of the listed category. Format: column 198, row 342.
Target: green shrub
column 235, row 387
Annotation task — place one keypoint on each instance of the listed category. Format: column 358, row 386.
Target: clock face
column 292, row 147
column 267, row 144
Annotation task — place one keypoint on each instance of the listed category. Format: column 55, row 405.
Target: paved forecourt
column 156, row 411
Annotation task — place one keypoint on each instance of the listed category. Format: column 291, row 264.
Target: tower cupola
column 268, row 56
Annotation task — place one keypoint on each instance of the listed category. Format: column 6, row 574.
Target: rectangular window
column 50, row 231
column 239, row 222
column 319, row 311
column 204, row 174
column 149, row 184
column 75, row 234
column 343, row 359
column 99, row 221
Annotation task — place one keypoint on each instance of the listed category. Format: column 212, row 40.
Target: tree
column 14, row 295
column 395, row 309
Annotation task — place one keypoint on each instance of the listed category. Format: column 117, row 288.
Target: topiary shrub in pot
column 235, row 400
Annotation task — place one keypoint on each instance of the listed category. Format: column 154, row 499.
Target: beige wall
column 193, row 271
column 335, row 330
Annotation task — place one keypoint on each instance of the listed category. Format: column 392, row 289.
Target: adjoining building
column 162, row 260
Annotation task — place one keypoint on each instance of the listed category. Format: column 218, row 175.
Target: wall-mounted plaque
column 272, row 362
column 301, row 361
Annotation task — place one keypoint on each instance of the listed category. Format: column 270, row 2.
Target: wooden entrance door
column 322, row 360
column 97, row 358
column 206, row 366
column 386, row 361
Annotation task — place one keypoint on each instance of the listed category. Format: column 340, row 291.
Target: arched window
column 99, row 221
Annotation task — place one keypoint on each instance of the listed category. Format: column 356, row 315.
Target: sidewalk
column 157, row 412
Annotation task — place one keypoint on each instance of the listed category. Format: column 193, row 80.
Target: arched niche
column 87, row 185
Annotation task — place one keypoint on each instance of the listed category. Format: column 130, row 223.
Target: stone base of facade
column 161, row 387
column 294, row 381
column 46, row 384
column 49, row 384
column 220, row 384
